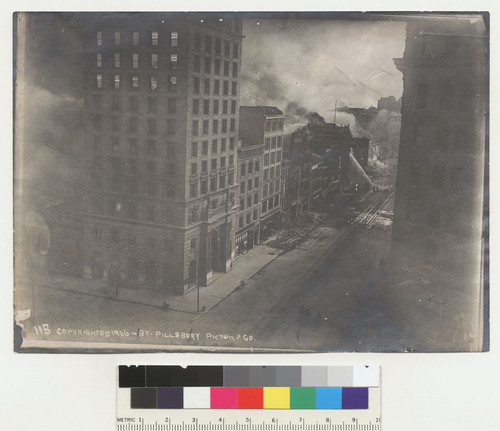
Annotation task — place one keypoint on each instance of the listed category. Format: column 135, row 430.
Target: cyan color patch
column 328, row 398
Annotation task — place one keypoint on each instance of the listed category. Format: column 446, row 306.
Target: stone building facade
column 264, row 125
column 439, row 190
column 250, row 159
column 297, row 173
column 161, row 115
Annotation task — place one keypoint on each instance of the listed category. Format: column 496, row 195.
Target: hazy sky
column 312, row 63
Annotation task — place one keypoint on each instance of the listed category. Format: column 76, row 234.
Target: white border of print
column 59, row 392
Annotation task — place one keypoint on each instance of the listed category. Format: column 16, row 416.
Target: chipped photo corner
column 251, row 182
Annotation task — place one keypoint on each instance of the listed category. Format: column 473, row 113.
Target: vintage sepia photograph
column 251, row 182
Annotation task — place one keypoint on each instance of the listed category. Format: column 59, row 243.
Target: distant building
column 328, row 135
column 439, row 190
column 161, row 131
column 264, row 125
column 321, row 160
column 389, row 103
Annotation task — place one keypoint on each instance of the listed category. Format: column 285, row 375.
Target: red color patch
column 250, row 398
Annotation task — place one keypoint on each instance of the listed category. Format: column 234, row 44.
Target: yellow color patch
column 276, row 398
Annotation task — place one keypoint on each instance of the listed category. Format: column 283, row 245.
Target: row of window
column 152, row 188
column 216, row 183
column 274, row 124
column 134, row 125
column 247, row 219
column 224, row 68
column 270, row 204
column 215, row 147
column 202, row 107
column 151, row 36
column 151, row 167
column 203, row 127
column 131, row 210
column 207, row 88
column 215, row 45
column 152, row 148
column 447, row 98
column 273, row 157
column 133, row 103
column 440, row 136
column 214, row 164
column 134, row 147
column 131, row 165
column 272, row 143
column 249, row 185
column 271, row 173
column 251, row 199
column 117, row 82
column 437, row 178
column 249, row 167
column 134, row 60
column 271, row 188
column 132, row 185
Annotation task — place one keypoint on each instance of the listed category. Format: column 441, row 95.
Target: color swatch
column 247, row 376
column 238, row 387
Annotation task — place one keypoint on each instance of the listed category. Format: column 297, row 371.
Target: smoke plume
column 384, row 134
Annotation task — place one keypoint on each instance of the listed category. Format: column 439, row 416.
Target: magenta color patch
column 223, row 398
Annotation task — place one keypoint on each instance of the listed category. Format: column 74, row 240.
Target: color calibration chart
column 164, row 398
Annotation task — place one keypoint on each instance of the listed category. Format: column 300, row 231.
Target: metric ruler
column 155, row 398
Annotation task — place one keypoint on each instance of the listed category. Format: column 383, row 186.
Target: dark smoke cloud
column 53, row 102
column 318, row 64
column 52, row 148
column 301, row 67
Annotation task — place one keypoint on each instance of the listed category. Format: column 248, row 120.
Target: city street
column 325, row 294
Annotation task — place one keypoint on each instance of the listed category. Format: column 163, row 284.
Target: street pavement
column 327, row 294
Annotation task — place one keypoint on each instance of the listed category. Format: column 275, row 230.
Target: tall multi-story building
column 161, row 131
column 250, row 158
column 297, row 172
column 264, row 125
column 439, row 190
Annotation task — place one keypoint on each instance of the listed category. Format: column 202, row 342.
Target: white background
column 77, row 392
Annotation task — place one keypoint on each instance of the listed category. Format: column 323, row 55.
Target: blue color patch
column 328, row 398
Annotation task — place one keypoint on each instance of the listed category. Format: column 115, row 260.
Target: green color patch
column 303, row 398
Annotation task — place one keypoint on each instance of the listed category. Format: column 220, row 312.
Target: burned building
column 439, row 191
column 161, row 131
column 390, row 103
column 264, row 125
column 360, row 148
column 322, row 160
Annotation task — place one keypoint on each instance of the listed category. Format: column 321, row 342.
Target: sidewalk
column 223, row 285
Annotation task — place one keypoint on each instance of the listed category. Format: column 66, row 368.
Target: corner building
column 161, row 118
column 437, row 228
